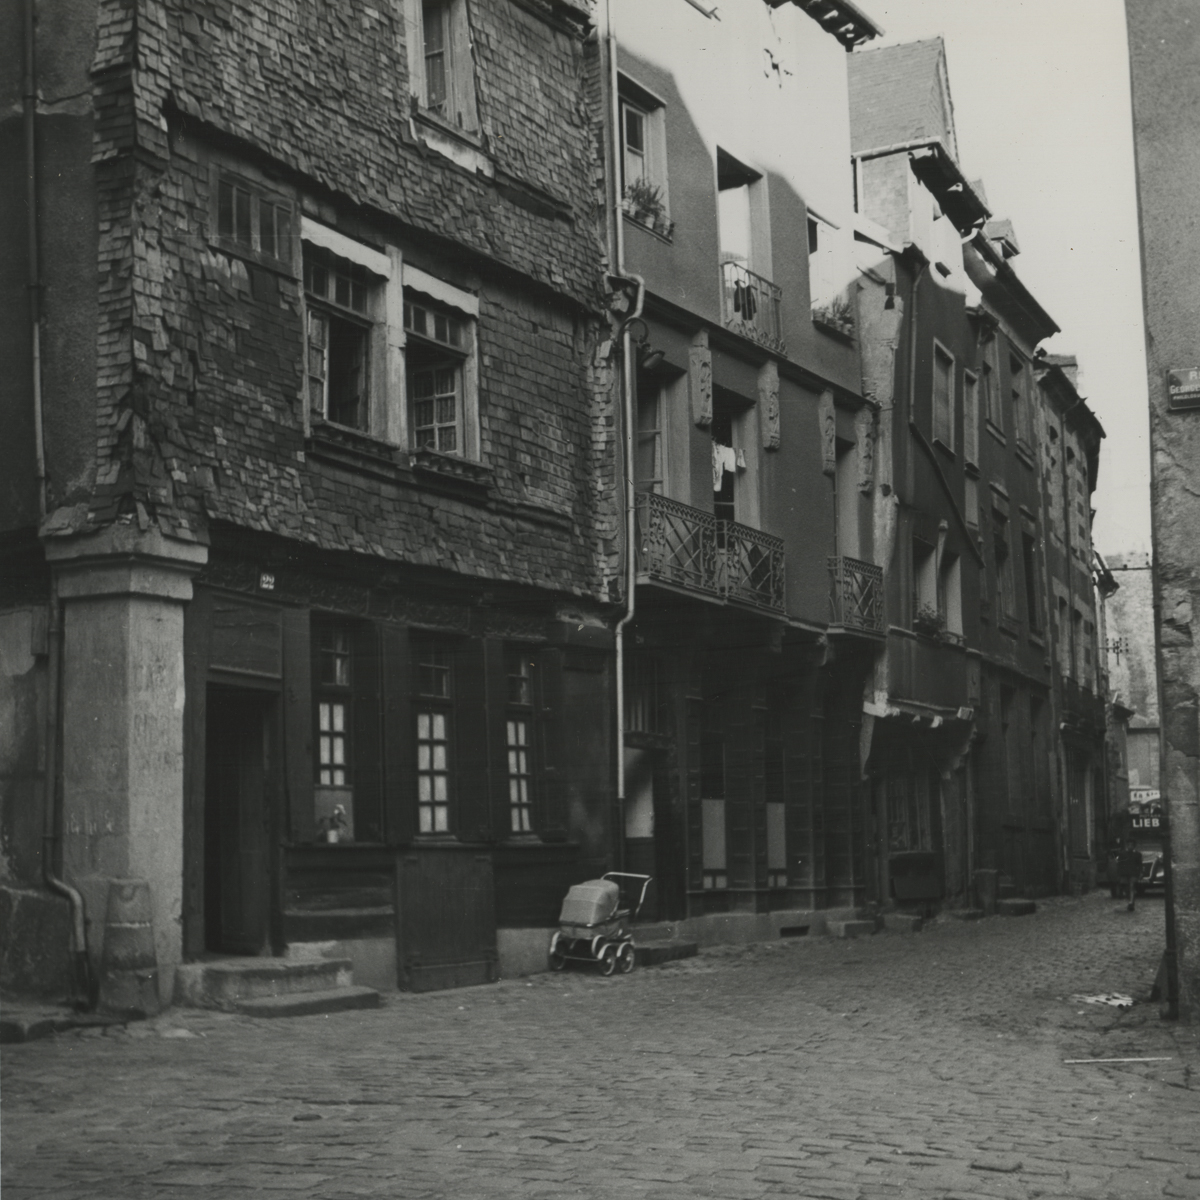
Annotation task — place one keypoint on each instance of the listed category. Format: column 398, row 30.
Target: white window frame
column 635, row 98
column 828, row 262
column 384, row 365
column 421, row 287
column 460, row 111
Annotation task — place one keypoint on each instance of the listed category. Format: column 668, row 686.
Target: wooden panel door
column 447, row 917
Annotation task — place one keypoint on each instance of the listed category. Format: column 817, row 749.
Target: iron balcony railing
column 688, row 548
column 855, row 594
column 750, row 306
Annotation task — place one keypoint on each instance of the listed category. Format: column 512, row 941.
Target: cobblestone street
column 926, row 1065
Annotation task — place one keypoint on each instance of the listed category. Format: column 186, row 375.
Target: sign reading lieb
column 1183, row 389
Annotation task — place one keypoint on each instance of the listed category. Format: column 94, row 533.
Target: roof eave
column 842, row 19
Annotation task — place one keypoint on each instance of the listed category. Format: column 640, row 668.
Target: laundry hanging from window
column 745, row 301
column 724, row 458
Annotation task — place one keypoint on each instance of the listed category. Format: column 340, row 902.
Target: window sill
column 996, row 432
column 236, row 249
column 1036, row 638
column 1025, row 454
column 948, row 451
column 353, row 449
column 972, row 469
column 1008, row 626
column 662, row 228
column 839, row 331
column 471, row 480
column 461, row 147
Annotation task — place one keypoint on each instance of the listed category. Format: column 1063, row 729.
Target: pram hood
column 590, row 903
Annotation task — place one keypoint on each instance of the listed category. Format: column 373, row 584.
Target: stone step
column 337, row 924
column 896, row 922
column 1015, row 906
column 1005, row 888
column 224, row 983
column 307, row 1004
column 651, row 952
column 849, row 929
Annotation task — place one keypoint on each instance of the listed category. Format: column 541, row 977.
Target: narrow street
column 926, row 1065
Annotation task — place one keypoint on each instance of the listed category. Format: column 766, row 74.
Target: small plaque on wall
column 1183, row 389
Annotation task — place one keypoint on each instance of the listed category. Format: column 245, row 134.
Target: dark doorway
column 238, row 819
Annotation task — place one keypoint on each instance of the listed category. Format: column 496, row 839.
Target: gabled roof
column 901, row 94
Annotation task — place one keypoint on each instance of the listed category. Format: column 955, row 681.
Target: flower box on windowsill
column 657, row 223
column 471, row 478
column 836, row 318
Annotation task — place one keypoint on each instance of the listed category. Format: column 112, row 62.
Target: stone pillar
column 122, row 592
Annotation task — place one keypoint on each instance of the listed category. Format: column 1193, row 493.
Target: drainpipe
column 627, row 384
column 51, row 774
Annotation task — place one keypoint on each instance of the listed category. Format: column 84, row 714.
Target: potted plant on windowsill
column 837, row 316
column 929, row 622
column 643, row 203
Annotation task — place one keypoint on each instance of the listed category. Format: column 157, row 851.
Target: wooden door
column 237, row 821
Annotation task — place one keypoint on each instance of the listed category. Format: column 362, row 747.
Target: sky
column 1042, row 112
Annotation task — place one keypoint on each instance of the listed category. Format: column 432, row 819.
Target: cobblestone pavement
column 927, row 1065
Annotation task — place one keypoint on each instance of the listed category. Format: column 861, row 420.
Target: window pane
column 423, row 756
column 439, row 788
column 225, row 208
column 635, row 129
column 439, row 757
column 266, row 229
column 439, row 727
column 423, row 726
column 440, row 820
column 424, row 788
column 323, row 717
column 426, row 825
column 339, row 717
column 447, row 440
column 241, row 203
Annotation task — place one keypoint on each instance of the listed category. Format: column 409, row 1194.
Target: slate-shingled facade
column 328, row 519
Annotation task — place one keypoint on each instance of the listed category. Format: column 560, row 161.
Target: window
column 648, row 455
column 643, row 156
column 827, row 266
column 990, row 386
column 943, row 397
column 250, row 220
column 435, row 697
column 1033, row 581
column 971, row 417
column 926, row 614
column 739, row 202
column 339, row 338
column 520, row 739
column 643, row 695
column 1019, row 390
column 1006, row 594
column 348, row 290
column 950, row 593
column 714, row 860
column 440, row 367
column 439, row 60
column 434, row 359
column 333, row 706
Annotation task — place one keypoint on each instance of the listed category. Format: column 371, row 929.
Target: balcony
column 1081, row 707
column 690, row 549
column 855, row 594
column 750, row 306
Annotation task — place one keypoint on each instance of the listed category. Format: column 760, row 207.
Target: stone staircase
column 272, row 987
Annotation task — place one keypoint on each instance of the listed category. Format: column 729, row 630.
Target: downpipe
column 51, row 773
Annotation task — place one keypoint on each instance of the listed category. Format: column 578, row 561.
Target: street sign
column 1183, row 389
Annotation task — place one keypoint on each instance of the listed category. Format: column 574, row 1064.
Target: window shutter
column 396, row 683
column 498, row 822
column 367, row 774
column 471, row 800
column 550, row 808
column 301, row 823
column 695, row 726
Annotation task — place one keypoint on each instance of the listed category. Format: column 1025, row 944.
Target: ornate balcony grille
column 753, row 565
column 677, row 544
column 856, row 594
column 691, row 549
column 750, row 306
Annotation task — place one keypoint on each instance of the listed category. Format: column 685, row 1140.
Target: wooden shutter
column 396, row 685
column 551, row 805
column 298, row 726
column 471, row 802
column 367, row 748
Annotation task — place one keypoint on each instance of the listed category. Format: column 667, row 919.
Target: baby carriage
column 593, row 926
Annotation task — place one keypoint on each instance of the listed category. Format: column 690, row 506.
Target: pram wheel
column 608, row 959
column 625, row 958
column 557, row 960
